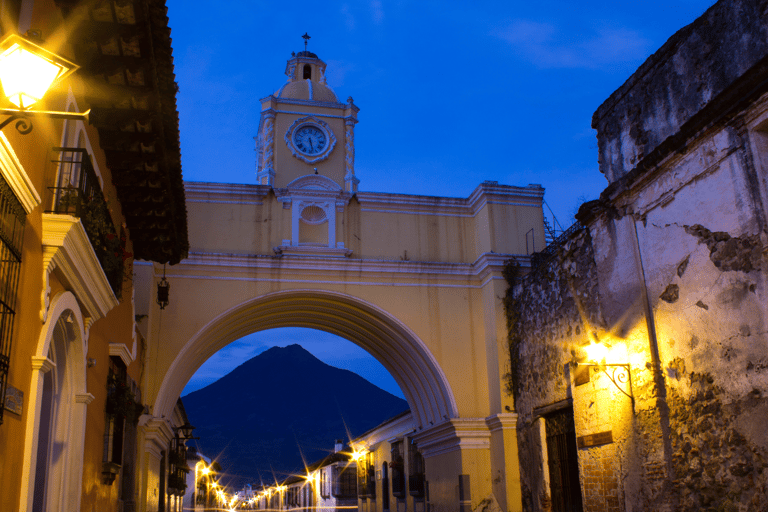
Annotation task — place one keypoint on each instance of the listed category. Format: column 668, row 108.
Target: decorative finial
column 350, row 100
column 306, row 37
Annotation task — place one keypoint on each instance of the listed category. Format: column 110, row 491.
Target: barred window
column 12, row 219
column 344, row 482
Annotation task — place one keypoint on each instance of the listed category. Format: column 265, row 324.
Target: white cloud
column 546, row 46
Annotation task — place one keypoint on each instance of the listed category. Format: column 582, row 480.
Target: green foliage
column 121, row 402
column 511, row 274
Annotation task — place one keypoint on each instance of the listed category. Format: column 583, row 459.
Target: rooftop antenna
column 306, row 37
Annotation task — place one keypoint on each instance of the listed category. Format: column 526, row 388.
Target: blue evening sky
column 450, row 93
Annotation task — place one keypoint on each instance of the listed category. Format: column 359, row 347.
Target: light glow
column 358, row 454
column 596, row 352
column 27, row 71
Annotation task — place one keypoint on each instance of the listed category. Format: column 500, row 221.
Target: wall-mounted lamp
column 618, row 373
column 27, row 71
column 163, row 291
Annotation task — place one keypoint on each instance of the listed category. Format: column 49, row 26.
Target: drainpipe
column 658, row 376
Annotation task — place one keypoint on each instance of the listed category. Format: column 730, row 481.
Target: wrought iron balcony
column 76, row 191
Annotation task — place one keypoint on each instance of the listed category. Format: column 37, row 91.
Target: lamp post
column 27, row 72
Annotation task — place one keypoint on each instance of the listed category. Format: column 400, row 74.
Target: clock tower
column 304, row 129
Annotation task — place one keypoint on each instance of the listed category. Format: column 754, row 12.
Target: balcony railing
column 76, row 192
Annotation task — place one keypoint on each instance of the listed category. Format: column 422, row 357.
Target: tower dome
column 306, row 79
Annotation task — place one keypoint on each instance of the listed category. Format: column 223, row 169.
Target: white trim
column 17, row 177
column 84, row 398
column 68, row 251
column 245, row 265
column 502, row 421
column 67, row 471
column 453, row 435
column 121, row 351
column 390, row 431
column 157, row 434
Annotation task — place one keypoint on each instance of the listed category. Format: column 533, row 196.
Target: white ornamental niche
column 314, row 201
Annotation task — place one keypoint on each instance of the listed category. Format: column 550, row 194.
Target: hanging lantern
column 163, row 290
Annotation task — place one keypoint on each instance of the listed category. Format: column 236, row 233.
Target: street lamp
column 620, row 373
column 27, row 71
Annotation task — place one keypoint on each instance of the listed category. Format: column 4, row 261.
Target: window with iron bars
column 398, row 469
column 416, row 476
column 12, row 220
column 344, row 482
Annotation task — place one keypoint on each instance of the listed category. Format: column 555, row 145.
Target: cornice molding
column 502, row 421
column 307, row 103
column 486, row 193
column 121, row 350
column 84, row 398
column 227, row 193
column 157, row 434
column 394, row 428
column 452, row 435
column 17, row 178
column 42, row 364
column 314, row 251
column 486, row 263
column 68, row 252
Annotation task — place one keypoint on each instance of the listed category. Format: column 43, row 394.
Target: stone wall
column 687, row 74
column 670, row 276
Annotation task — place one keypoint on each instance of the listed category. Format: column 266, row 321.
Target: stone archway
column 401, row 352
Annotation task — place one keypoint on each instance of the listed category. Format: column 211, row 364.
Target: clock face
column 310, row 140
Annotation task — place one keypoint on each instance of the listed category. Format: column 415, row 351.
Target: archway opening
column 270, row 404
column 404, row 356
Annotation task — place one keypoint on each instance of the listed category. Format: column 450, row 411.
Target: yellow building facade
column 414, row 280
column 72, row 222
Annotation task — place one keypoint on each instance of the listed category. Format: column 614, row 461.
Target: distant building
column 390, row 468
column 329, row 484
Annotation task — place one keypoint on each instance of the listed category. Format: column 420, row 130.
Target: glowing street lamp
column 620, row 373
column 27, row 72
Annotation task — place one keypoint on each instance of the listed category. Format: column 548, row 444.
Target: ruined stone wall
column 685, row 75
column 550, row 312
column 671, row 275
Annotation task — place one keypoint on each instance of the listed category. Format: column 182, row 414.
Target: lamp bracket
column 24, row 121
column 619, row 374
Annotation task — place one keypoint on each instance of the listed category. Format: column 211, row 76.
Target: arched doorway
column 53, row 468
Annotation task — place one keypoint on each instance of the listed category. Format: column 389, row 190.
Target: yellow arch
column 395, row 346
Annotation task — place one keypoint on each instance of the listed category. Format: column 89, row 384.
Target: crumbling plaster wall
column 686, row 74
column 699, row 251
column 684, row 242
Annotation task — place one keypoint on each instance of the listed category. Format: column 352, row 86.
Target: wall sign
column 595, row 439
column 14, row 399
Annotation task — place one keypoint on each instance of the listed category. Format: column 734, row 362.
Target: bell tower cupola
column 304, row 129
